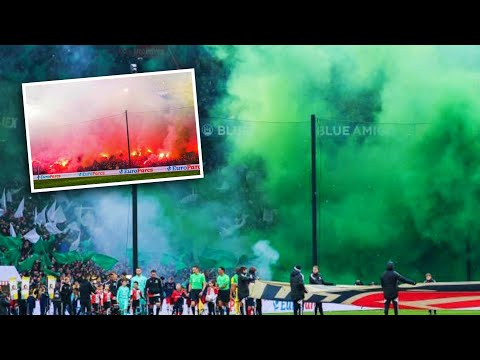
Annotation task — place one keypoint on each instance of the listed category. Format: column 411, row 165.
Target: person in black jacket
column 4, row 304
column 154, row 291
column 66, row 296
column 86, row 289
column 389, row 281
column 22, row 303
column 316, row 279
column 113, row 286
column 243, row 292
column 297, row 289
column 256, row 303
column 57, row 300
column 44, row 299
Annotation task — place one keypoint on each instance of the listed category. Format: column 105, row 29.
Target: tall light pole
column 38, row 168
column 134, row 206
column 128, row 139
column 313, row 132
column 133, row 70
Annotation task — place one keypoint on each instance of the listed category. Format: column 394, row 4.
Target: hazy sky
column 50, row 104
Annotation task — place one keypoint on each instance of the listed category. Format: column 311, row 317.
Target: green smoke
column 410, row 195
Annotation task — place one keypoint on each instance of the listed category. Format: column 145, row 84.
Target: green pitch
column 42, row 184
column 401, row 312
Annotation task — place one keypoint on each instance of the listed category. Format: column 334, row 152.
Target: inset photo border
column 112, row 130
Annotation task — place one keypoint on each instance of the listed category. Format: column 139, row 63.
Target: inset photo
column 112, row 130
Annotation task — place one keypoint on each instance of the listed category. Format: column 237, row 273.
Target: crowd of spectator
column 115, row 162
column 22, row 225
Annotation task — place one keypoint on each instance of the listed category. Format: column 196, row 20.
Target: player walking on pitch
column 154, row 289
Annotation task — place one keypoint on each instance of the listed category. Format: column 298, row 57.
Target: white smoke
column 106, row 214
column 153, row 230
column 266, row 256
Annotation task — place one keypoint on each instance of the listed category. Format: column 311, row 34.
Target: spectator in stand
column 31, row 302
column 66, row 296
column 57, row 300
column 26, row 250
column 22, row 303
column 44, row 300
column 86, row 289
column 75, row 298
column 13, row 306
column 4, row 303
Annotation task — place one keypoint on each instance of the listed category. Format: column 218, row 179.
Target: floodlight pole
column 134, row 207
column 134, row 228
column 128, row 139
column 313, row 131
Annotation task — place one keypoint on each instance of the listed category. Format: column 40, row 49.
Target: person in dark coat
column 86, row 289
column 44, row 300
column 297, row 289
column 316, row 279
column 31, row 302
column 429, row 279
column 244, row 280
column 57, row 300
column 113, row 285
column 22, row 304
column 389, row 281
column 4, row 304
column 66, row 297
column 257, row 303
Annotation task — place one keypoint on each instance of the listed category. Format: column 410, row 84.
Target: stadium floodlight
column 133, row 68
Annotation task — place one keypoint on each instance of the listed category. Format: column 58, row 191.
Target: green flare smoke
column 410, row 195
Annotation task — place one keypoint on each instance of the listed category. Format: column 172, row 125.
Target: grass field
column 401, row 312
column 51, row 183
